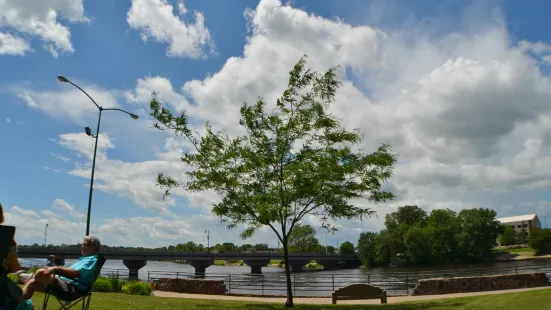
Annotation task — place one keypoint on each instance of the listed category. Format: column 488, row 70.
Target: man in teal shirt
column 78, row 277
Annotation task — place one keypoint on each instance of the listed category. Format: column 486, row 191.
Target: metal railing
column 312, row 284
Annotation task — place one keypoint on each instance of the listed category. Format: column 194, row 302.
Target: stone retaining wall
column 480, row 284
column 190, row 286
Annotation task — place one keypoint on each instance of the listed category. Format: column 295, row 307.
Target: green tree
column 477, row 234
column 442, row 226
column 262, row 247
column 368, row 248
column 290, row 162
column 303, row 239
column 399, row 222
column 386, row 247
column 540, row 241
column 508, row 237
column 346, row 248
column 418, row 248
column 245, row 247
column 522, row 236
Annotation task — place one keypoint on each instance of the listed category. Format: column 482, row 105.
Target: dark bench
column 359, row 291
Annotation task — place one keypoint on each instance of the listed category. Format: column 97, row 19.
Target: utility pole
column 208, row 240
column 45, row 234
column 326, row 250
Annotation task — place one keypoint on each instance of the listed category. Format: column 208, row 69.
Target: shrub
column 13, row 277
column 540, row 241
column 137, row 288
column 102, row 285
column 116, row 283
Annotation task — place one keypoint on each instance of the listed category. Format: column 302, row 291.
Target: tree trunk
column 289, row 303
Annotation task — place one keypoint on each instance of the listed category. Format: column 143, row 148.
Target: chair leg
column 45, row 302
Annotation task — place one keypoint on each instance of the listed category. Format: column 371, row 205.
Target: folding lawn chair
column 6, row 236
column 69, row 300
column 10, row 293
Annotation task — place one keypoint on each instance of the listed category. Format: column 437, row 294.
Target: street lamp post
column 45, row 234
column 63, row 79
column 208, row 240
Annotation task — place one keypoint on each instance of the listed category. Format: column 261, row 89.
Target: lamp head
column 88, row 131
column 63, row 79
column 134, row 116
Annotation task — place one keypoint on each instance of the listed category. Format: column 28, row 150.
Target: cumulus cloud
column 465, row 110
column 155, row 19
column 68, row 103
column 13, row 45
column 40, row 19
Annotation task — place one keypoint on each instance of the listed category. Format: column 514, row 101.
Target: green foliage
column 540, row 241
column 102, row 285
column 398, row 223
column 116, row 283
column 13, row 277
column 137, row 288
column 522, row 236
column 508, row 237
column 478, row 234
column 346, row 248
column 303, row 239
column 441, row 237
column 112, row 284
column 417, row 244
column 442, row 227
column 367, row 248
column 292, row 161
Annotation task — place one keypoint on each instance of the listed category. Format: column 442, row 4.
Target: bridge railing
column 312, row 284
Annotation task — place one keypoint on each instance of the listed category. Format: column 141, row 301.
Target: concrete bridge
column 134, row 261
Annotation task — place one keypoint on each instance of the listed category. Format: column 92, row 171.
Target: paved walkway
column 325, row 300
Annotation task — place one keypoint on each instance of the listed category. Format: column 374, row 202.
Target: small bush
column 116, row 283
column 137, row 288
column 13, row 277
column 540, row 241
column 102, row 285
column 32, row 270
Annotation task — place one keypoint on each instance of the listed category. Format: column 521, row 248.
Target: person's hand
column 51, row 270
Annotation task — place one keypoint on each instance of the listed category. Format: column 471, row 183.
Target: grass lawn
column 521, row 251
column 537, row 299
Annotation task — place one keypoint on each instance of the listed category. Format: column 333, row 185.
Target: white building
column 528, row 222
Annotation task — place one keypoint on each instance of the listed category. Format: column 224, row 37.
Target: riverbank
column 273, row 263
column 509, row 300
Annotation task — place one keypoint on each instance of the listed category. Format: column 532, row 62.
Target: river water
column 397, row 281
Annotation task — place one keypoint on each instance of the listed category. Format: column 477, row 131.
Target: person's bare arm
column 65, row 272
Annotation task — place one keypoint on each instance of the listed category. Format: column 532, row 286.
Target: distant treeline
column 413, row 237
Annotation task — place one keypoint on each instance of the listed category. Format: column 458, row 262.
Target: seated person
column 76, row 278
column 51, row 261
column 13, row 262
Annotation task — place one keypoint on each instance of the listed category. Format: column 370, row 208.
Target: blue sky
column 395, row 52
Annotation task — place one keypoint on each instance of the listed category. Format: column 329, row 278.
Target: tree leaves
column 292, row 161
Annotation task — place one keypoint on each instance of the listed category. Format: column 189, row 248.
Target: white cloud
column 42, row 19
column 67, row 209
column 466, row 111
column 8, row 120
column 13, row 45
column 162, row 88
column 26, row 213
column 60, row 157
column 69, row 103
column 155, row 19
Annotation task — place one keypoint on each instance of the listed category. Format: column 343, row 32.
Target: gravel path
column 325, row 300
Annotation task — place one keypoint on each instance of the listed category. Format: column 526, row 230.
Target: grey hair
column 93, row 241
